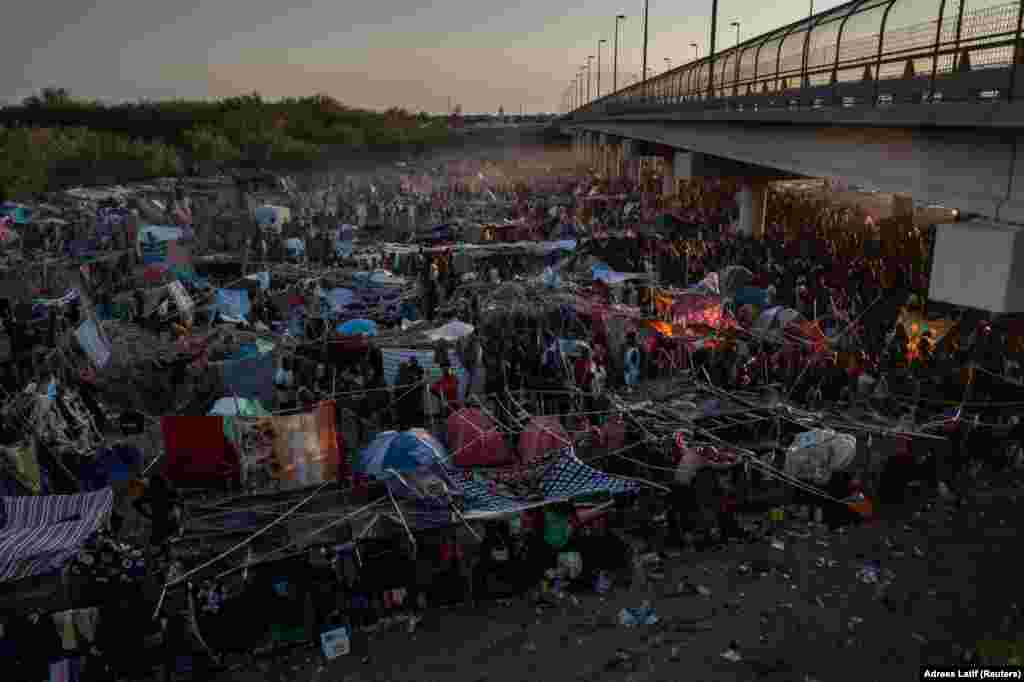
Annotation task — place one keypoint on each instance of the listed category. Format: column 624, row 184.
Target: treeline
column 53, row 129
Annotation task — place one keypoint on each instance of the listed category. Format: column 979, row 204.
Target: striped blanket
column 40, row 534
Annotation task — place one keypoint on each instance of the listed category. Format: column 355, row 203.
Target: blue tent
column 401, row 451
column 357, row 327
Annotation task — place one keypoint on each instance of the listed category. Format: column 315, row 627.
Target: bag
column 335, row 643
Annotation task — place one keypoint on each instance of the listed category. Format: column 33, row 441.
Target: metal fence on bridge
column 863, row 53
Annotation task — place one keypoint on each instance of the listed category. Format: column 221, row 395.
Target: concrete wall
column 974, row 171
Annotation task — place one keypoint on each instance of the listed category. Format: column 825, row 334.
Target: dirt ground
column 797, row 611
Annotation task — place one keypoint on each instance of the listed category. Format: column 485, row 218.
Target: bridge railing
column 863, row 53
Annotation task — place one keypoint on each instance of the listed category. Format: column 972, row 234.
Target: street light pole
column 589, row 59
column 694, row 46
column 736, row 25
column 615, row 58
column 711, row 52
column 643, row 74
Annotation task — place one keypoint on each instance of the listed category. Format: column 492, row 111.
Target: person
column 631, row 362
column 409, row 397
column 447, row 388
column 159, row 504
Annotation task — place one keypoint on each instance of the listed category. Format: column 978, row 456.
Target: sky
column 376, row 54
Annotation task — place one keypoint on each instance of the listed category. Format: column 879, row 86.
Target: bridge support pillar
column 752, row 200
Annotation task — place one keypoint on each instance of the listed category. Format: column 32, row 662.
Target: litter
column 644, row 615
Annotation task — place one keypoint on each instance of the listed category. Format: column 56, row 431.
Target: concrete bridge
column 919, row 98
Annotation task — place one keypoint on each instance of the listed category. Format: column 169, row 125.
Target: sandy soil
column 798, row 613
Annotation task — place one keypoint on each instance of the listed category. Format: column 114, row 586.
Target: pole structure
column 711, row 52
column 643, row 74
column 590, row 60
column 615, row 69
column 599, row 44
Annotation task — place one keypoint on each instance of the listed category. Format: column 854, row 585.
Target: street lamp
column 736, row 25
column 615, row 69
column 591, row 57
column 694, row 46
column 711, row 52
column 601, row 42
column 643, row 73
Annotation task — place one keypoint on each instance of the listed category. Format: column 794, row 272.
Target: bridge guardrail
column 838, row 59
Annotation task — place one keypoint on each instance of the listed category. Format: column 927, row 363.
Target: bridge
column 921, row 97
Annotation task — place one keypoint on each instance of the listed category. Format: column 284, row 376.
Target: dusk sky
column 375, row 54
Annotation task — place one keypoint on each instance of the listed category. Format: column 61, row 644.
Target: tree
column 48, row 97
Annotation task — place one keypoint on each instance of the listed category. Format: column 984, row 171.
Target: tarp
column 272, row 216
column 357, row 328
column 232, row 304
column 543, row 434
column 196, row 450
column 335, row 301
column 697, row 458
column 305, row 447
column 751, row 296
column 394, row 357
column 250, row 377
column 566, row 477
column 816, row 454
column 153, row 242
column 40, row 534
column 263, row 278
column 401, row 451
column 452, row 331
column 22, row 215
column 95, row 346
column 295, row 247
column 378, row 278
column 474, row 440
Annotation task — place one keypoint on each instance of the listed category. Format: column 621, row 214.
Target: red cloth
column 197, row 451
column 448, row 388
column 584, row 372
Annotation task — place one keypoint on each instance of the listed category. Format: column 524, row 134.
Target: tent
column 395, row 451
column 476, row 441
column 542, row 435
column 816, row 454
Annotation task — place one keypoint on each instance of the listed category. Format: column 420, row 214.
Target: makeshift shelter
column 39, row 535
column 475, row 440
column 452, row 331
column 771, row 324
column 358, row 328
column 197, row 452
column 542, row 435
column 305, row 447
column 816, row 454
column 400, row 451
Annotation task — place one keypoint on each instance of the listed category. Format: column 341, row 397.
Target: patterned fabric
column 42, row 533
column 562, row 476
column 569, row 477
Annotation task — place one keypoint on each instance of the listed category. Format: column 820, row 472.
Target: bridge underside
column 974, row 171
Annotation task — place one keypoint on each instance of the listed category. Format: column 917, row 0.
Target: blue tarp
column 295, row 247
column 251, row 377
column 752, row 296
column 232, row 303
column 337, row 300
column 22, row 215
column 263, row 278
column 356, row 327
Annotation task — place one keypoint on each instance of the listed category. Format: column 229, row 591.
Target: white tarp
column 816, row 454
column 453, row 331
